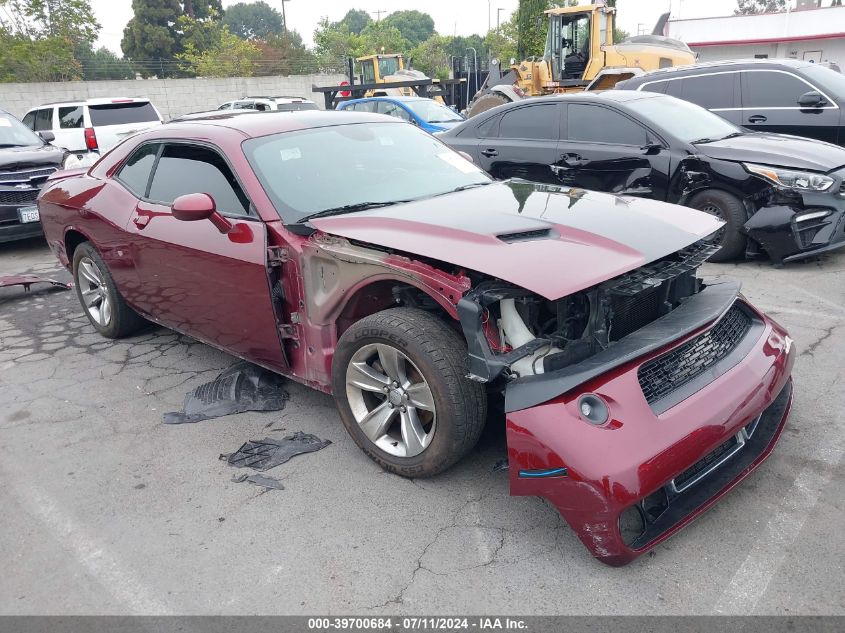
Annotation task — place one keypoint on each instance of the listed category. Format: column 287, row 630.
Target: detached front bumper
column 657, row 463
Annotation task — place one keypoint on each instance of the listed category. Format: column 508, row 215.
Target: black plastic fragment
column 242, row 387
column 501, row 464
column 269, row 452
column 268, row 483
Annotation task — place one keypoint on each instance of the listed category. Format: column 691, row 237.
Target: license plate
column 28, row 214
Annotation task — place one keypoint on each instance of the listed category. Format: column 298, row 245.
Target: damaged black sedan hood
column 777, row 150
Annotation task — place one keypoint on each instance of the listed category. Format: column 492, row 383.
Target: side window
column 44, row 119
column 29, row 120
column 594, row 124
column 226, row 106
column 70, row 117
column 261, row 106
column 366, row 106
column 675, row 88
column 184, row 169
column 243, row 105
column 766, row 89
column 655, row 86
column 488, row 128
column 135, row 173
column 710, row 91
column 391, row 109
column 531, row 122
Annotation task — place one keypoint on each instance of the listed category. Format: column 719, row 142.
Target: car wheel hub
column 390, row 400
column 92, row 289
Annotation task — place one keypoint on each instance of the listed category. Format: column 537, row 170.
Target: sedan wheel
column 399, row 379
column 92, row 289
column 391, row 400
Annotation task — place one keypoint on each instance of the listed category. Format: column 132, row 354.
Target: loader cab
column 574, row 39
column 374, row 68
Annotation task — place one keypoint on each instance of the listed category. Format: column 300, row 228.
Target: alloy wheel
column 93, row 290
column 391, row 400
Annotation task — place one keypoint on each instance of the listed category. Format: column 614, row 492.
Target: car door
column 606, row 150
column 70, row 128
column 524, row 144
column 770, row 104
column 194, row 278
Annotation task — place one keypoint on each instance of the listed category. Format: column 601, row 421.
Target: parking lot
column 109, row 511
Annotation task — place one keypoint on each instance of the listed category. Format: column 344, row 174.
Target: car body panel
column 401, row 108
column 781, row 150
column 588, row 231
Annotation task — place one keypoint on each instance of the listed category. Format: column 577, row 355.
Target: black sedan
column 778, row 194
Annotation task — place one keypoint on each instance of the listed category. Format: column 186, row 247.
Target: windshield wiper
column 732, row 135
column 349, row 208
column 700, row 141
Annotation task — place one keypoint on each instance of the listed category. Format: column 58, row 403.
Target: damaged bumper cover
column 664, row 455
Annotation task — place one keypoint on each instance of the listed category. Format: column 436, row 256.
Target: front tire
column 729, row 208
column 98, row 295
column 399, row 381
column 485, row 102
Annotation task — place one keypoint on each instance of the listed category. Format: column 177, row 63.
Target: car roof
column 401, row 98
column 765, row 63
column 97, row 101
column 271, row 122
column 277, row 98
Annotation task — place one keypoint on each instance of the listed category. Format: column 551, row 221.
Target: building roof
column 788, row 26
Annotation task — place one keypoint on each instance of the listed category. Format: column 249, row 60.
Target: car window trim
column 649, row 132
column 696, row 75
column 122, row 164
column 252, row 212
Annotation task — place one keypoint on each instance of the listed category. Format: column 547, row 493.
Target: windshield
column 827, row 79
column 682, row 119
column 13, row 133
column 431, row 111
column 388, row 66
column 310, row 171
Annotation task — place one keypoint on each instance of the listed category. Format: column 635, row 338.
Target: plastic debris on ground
column 27, row 280
column 268, row 483
column 269, row 452
column 501, row 464
column 242, row 387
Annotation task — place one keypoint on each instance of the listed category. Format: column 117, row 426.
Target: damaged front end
column 632, row 405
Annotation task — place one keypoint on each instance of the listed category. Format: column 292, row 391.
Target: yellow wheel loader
column 580, row 54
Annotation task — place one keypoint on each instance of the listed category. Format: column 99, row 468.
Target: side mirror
column 47, row 137
column 199, row 206
column 811, row 99
column 651, row 147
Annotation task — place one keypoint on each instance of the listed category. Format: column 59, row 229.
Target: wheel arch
column 73, row 237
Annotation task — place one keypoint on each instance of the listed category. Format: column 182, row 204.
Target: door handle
column 572, row 160
column 756, row 118
column 489, row 153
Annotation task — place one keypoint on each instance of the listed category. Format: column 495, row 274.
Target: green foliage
column 230, row 56
column 41, row 19
column 749, row 7
column 531, row 28
column 285, row 55
column 380, row 37
column 151, row 33
column 355, row 20
column 201, row 34
column 102, row 64
column 254, row 21
column 416, row 27
column 334, row 41
column 44, row 59
column 431, row 57
column 203, row 9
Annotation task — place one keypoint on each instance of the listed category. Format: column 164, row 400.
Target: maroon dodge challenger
column 360, row 256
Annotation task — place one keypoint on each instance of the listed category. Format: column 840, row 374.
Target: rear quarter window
column 122, row 113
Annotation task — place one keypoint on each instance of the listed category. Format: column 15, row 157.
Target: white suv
column 93, row 125
column 270, row 103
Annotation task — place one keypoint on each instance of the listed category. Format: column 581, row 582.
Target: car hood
column 33, row 155
column 777, row 149
column 553, row 241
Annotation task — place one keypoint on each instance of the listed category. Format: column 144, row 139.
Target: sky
column 451, row 17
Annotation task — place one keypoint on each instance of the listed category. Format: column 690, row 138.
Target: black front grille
column 661, row 376
column 18, row 196
column 25, row 175
column 704, row 463
column 630, row 313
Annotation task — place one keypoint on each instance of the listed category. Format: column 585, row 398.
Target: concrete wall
column 172, row 97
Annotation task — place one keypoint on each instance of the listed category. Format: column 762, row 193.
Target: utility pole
column 378, row 13
column 284, row 18
column 498, row 13
column 488, row 15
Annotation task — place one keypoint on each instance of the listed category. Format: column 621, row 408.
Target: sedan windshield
column 13, row 133
column 683, row 120
column 345, row 168
column 431, row 111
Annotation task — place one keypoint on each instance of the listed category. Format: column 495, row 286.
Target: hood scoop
column 525, row 236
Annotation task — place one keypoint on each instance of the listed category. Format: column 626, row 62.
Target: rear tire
column 399, row 381
column 98, row 295
column 727, row 207
column 485, row 102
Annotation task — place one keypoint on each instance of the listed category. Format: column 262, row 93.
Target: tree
column 531, row 27
column 229, row 57
column 380, row 36
column 41, row 19
column 254, row 21
column 416, row 27
column 333, row 42
column 749, row 7
column 285, row 55
column 42, row 59
column 151, row 33
column 103, row 64
column 431, row 57
column 356, row 20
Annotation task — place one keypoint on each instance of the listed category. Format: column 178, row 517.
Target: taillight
column 90, row 139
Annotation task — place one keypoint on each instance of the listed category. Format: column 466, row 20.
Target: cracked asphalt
column 108, row 511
